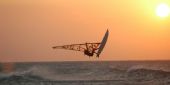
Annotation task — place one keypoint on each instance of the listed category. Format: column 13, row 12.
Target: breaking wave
column 147, row 74
column 79, row 72
column 46, row 73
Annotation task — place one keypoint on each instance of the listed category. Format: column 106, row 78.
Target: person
column 86, row 52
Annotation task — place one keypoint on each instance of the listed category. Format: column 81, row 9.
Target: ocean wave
column 71, row 72
column 34, row 73
column 20, row 78
column 147, row 74
column 152, row 67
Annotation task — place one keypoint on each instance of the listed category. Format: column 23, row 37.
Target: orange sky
column 29, row 28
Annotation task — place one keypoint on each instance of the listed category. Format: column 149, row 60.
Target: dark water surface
column 86, row 73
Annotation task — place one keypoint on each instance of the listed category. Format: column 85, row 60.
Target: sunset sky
column 29, row 28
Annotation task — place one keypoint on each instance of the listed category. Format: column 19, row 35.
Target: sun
column 162, row 10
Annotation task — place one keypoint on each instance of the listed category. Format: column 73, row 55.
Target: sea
column 86, row 73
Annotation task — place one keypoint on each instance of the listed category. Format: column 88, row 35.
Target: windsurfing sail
column 88, row 48
column 103, row 43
